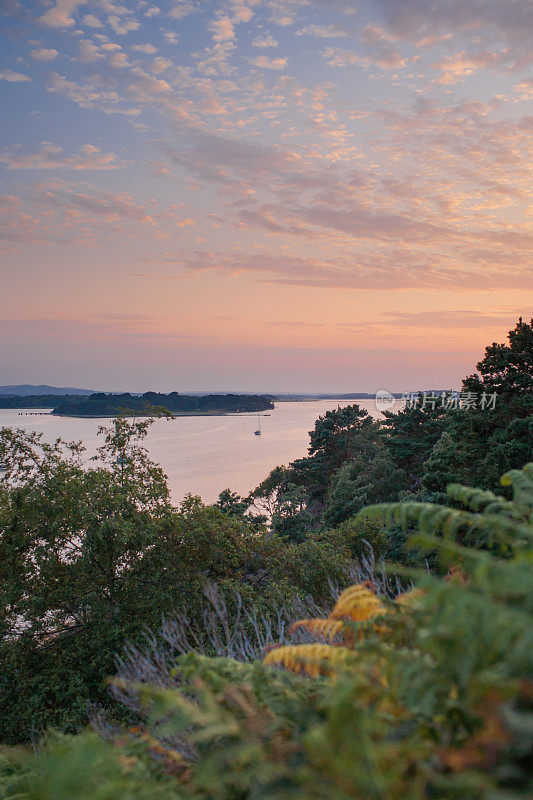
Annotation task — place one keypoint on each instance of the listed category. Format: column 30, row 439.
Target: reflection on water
column 204, row 455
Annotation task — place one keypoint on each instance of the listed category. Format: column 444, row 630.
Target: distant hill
column 27, row 389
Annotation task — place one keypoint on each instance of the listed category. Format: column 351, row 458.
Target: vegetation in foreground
column 414, row 685
column 427, row 696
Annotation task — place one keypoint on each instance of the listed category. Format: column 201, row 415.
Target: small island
column 112, row 405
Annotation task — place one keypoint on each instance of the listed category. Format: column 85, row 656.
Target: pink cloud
column 61, row 15
column 52, row 157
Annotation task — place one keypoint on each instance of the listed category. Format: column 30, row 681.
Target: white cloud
column 214, row 60
column 159, row 65
column 119, row 60
column 89, row 52
column 123, row 26
column 50, row 156
column 43, row 54
column 264, row 41
column 525, row 89
column 456, row 68
column 89, row 96
column 242, row 13
column 222, row 29
column 11, row 76
column 323, row 31
column 182, row 9
column 283, row 12
column 61, row 15
column 149, row 49
column 264, row 62
column 91, row 21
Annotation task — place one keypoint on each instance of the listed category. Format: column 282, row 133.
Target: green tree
column 286, row 503
column 410, row 435
column 232, row 503
column 339, row 436
column 482, row 442
column 266, row 496
column 507, row 369
column 92, row 554
column 72, row 545
column 358, row 483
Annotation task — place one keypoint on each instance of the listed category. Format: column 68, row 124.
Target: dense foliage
column 429, row 696
column 110, row 405
column 91, row 556
column 398, row 692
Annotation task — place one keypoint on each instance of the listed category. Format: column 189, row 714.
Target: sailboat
column 258, row 431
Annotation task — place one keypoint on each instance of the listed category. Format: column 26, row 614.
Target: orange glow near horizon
column 262, row 196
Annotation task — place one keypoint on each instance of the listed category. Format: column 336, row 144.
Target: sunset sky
column 262, row 195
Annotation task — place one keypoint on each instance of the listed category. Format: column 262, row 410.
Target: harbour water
column 204, row 455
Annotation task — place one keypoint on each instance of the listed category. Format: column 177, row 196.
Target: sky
column 262, row 195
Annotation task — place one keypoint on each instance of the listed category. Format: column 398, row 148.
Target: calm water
column 204, row 455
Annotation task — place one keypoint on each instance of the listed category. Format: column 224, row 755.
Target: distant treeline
column 352, row 396
column 37, row 400
column 110, row 405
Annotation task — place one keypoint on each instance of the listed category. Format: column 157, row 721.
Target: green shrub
column 426, row 697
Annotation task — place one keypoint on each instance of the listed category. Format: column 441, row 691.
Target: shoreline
column 174, row 415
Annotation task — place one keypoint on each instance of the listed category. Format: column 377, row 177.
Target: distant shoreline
column 174, row 414
column 34, row 410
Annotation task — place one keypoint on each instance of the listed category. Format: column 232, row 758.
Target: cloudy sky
column 262, row 194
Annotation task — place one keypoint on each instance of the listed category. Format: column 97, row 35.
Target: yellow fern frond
column 357, row 603
column 410, row 597
column 311, row 659
column 326, row 628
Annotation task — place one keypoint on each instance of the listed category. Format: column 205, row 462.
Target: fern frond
column 432, row 519
column 410, row 598
column 326, row 628
column 521, row 481
column 528, row 469
column 479, row 500
column 312, row 659
column 358, row 604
